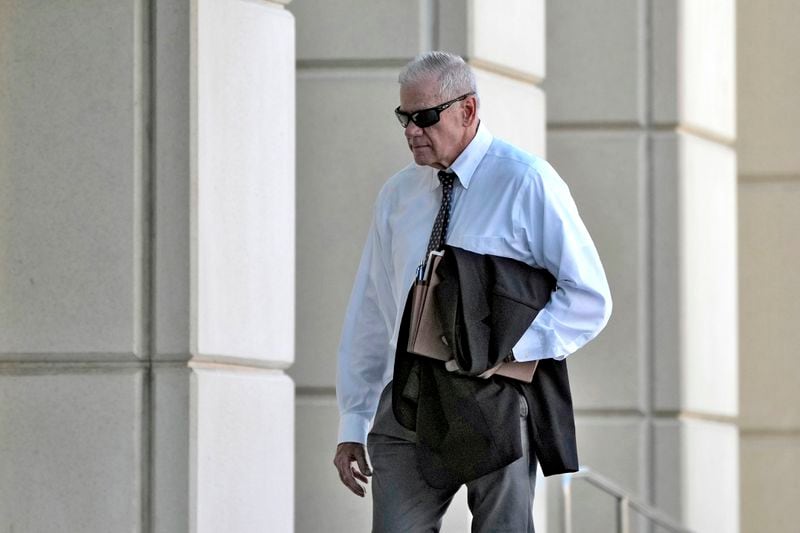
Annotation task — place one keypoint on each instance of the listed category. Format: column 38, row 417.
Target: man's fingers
column 349, row 481
column 359, row 476
column 361, row 459
column 491, row 372
column 346, row 454
column 346, row 477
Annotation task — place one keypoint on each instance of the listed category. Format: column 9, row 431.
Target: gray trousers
column 501, row 501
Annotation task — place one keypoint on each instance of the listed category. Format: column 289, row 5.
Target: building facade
column 185, row 187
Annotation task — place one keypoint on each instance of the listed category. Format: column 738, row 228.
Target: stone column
column 641, row 119
column 349, row 143
column 769, row 252
column 146, row 266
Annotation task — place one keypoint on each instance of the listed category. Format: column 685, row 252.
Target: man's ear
column 470, row 110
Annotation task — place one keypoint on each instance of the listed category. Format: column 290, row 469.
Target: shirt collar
column 465, row 164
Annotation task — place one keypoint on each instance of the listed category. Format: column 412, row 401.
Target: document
column 426, row 335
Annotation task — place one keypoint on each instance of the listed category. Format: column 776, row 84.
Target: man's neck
column 468, row 137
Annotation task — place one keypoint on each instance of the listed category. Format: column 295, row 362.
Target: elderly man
column 486, row 196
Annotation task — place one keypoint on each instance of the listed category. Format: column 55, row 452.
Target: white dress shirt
column 506, row 202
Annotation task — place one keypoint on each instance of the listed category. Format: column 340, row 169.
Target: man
column 501, row 201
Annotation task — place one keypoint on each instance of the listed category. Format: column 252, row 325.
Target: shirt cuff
column 532, row 346
column 353, row 427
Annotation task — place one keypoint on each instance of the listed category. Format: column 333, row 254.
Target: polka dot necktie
column 439, row 231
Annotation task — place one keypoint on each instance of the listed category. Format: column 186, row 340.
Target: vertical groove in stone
column 141, row 174
column 146, row 216
column 428, row 25
column 435, row 10
column 193, row 188
column 646, row 99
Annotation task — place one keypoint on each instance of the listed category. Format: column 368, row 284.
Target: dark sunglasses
column 426, row 117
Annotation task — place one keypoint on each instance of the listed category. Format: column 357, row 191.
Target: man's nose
column 412, row 130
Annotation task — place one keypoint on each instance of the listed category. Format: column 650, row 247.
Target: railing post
column 566, row 494
column 623, row 515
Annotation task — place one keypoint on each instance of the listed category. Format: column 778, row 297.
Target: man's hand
column 452, row 366
column 346, row 453
column 491, row 372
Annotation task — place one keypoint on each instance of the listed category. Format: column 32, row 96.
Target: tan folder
column 519, row 370
column 426, row 336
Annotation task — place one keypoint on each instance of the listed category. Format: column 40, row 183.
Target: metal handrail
column 625, row 502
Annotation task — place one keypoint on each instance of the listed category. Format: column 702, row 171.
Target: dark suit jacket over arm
column 466, row 426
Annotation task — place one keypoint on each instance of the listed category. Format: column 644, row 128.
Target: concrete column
column 349, row 143
column 147, row 266
column 641, row 119
column 769, row 252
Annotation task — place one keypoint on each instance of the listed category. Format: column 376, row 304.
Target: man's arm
column 363, row 357
column 581, row 305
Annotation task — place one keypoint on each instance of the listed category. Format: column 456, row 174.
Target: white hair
column 454, row 75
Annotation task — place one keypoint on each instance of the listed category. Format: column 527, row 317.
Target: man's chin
column 421, row 159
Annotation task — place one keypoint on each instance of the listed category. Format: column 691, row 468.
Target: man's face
column 438, row 145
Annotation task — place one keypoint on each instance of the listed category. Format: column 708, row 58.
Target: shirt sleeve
column 365, row 343
column 580, row 306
